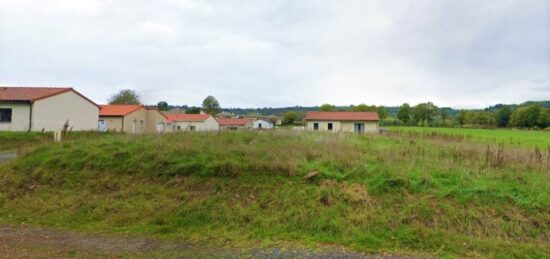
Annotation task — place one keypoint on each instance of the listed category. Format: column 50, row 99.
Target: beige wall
column 140, row 121
column 20, row 117
column 112, row 123
column 154, row 117
column 247, row 126
column 343, row 126
column 135, row 122
column 50, row 114
column 209, row 124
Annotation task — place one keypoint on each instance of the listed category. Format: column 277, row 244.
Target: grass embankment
column 517, row 138
column 374, row 193
column 18, row 140
column 22, row 140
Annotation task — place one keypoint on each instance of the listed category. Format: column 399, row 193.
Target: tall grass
column 507, row 137
column 397, row 192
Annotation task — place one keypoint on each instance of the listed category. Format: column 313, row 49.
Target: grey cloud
column 278, row 53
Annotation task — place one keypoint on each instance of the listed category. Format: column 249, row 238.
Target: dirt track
column 27, row 242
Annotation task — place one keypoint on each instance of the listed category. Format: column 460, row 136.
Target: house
column 357, row 122
column 262, row 124
column 46, row 109
column 275, row 120
column 234, row 124
column 131, row 119
column 192, row 122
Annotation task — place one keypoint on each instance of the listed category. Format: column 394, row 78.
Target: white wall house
column 352, row 122
column 192, row 122
column 46, row 109
column 262, row 124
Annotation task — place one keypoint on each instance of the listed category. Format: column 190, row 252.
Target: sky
column 276, row 53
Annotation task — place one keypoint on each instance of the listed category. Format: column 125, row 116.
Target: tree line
column 527, row 115
column 533, row 115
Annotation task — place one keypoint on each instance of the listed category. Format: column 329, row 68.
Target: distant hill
column 392, row 110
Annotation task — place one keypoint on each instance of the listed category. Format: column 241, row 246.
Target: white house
column 192, row 122
column 46, row 109
column 356, row 122
column 262, row 124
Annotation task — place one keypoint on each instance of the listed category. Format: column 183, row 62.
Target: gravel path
column 24, row 242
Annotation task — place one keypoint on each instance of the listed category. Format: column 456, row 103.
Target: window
column 179, row 127
column 315, row 126
column 192, row 128
column 5, row 115
column 259, row 125
column 330, row 126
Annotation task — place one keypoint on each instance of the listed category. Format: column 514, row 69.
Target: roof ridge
column 41, row 87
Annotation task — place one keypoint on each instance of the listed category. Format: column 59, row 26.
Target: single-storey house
column 192, row 122
column 357, row 122
column 234, row 124
column 262, row 124
column 131, row 119
column 46, row 109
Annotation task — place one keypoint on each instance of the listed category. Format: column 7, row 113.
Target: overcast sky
column 282, row 53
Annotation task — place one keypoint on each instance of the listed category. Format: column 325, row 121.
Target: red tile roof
column 29, row 94
column 342, row 116
column 32, row 94
column 118, row 109
column 232, row 122
column 186, row 117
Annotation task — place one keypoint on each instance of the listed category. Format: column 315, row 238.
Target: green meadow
column 420, row 194
column 509, row 137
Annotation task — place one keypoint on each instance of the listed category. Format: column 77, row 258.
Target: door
column 359, row 128
column 102, row 126
column 160, row 127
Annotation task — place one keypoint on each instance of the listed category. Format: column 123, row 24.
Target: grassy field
column 518, row 138
column 407, row 193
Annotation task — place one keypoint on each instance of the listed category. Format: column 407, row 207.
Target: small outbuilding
column 46, row 109
column 354, row 122
column 133, row 119
column 234, row 124
column 192, row 122
column 262, row 124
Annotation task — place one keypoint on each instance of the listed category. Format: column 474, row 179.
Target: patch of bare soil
column 25, row 242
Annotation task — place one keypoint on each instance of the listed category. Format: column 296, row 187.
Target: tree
column 404, row 113
column 503, row 116
column 461, row 118
column 210, row 105
column 327, row 108
column 162, row 105
column 290, row 117
column 444, row 115
column 126, row 96
column 424, row 112
column 528, row 117
column 193, row 110
column 362, row 108
column 544, row 118
column 382, row 112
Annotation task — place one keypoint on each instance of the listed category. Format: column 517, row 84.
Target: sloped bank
column 372, row 193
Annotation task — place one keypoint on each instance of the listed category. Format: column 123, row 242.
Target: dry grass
column 432, row 193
